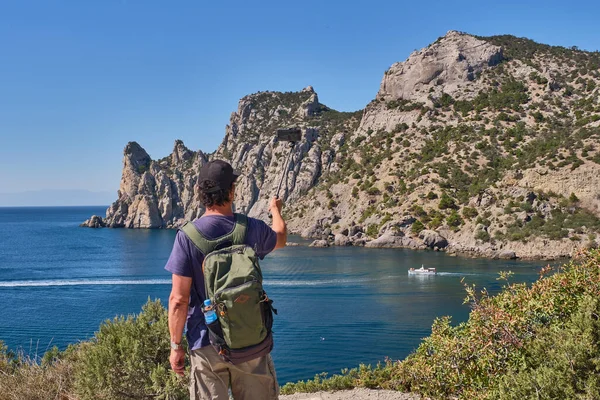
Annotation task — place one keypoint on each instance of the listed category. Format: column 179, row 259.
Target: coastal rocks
column 506, row 255
column 319, row 243
column 389, row 240
column 433, row 239
column 95, row 221
column 342, row 240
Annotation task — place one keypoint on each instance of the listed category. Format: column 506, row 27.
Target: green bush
column 446, row 202
column 454, row 220
column 469, row 212
column 431, row 196
column 467, row 360
column 417, row 227
column 560, row 363
column 373, row 230
column 128, row 358
column 483, row 236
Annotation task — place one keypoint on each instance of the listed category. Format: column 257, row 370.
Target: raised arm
column 278, row 226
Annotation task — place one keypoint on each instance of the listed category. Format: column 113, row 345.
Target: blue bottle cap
column 207, row 302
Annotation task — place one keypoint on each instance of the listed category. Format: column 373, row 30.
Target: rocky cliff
column 482, row 146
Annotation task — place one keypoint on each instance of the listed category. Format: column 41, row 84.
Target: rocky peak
column 135, row 157
column 181, row 153
column 449, row 65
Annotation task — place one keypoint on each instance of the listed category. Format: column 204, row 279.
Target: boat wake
column 85, row 282
column 456, row 273
column 113, row 282
column 327, row 282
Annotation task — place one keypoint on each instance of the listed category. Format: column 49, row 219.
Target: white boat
column 422, row 271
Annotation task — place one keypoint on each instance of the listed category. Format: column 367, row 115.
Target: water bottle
column 210, row 315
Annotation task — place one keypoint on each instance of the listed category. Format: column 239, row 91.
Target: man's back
column 186, row 260
column 211, row 377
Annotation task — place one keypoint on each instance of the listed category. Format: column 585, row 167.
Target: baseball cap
column 218, row 171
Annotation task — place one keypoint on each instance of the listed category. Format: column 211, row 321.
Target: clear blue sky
column 79, row 79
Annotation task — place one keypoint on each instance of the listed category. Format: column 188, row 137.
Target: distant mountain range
column 55, row 198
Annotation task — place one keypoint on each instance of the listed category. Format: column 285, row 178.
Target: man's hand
column 278, row 223
column 276, row 204
column 177, row 360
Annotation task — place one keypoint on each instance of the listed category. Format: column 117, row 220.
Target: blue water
column 338, row 307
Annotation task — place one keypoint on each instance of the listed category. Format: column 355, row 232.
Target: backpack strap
column 197, row 238
column 236, row 236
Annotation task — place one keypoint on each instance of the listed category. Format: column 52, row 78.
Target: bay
column 338, row 307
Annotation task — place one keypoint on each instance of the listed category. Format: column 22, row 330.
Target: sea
column 337, row 307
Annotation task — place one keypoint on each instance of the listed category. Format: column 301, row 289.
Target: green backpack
column 233, row 283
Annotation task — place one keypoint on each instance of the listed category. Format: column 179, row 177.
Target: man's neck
column 224, row 210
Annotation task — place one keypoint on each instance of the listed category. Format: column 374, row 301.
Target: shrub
column 417, row 227
column 129, row 358
column 501, row 333
column 469, row 212
column 431, row 196
column 454, row 220
column 373, row 191
column 24, row 378
column 419, row 211
column 446, row 202
column 483, row 236
column 373, row 230
column 573, row 198
column 560, row 363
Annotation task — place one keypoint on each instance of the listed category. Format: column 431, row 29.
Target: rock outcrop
column 447, row 66
column 95, row 221
column 487, row 147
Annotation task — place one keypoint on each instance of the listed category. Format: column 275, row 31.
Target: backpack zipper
column 239, row 250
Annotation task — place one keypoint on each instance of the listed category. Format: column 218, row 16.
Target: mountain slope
column 483, row 146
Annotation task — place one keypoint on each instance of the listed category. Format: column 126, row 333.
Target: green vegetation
column 417, row 227
column 539, row 342
column 483, row 236
column 128, row 358
column 469, row 212
column 446, row 202
column 404, row 105
column 373, row 230
column 454, row 220
column 557, row 227
column 510, row 97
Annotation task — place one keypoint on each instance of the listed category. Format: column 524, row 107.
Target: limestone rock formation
column 487, row 147
column 94, row 221
column 446, row 66
column 433, row 239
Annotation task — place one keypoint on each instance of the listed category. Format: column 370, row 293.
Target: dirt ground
column 355, row 394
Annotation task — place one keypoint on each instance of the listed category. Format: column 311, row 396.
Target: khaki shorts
column 211, row 377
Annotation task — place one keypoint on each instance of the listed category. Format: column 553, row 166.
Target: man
column 210, row 376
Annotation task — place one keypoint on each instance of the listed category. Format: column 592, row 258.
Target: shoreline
column 534, row 250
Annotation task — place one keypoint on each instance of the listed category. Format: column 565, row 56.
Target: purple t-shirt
column 186, row 260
